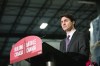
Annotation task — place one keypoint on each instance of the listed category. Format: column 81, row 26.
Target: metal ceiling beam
column 1, row 14
column 2, row 8
column 80, row 23
column 39, row 15
column 55, row 15
column 20, row 15
column 88, row 16
column 21, row 35
column 35, row 7
column 85, row 11
column 78, row 9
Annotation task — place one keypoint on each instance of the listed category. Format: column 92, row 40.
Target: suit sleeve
column 83, row 47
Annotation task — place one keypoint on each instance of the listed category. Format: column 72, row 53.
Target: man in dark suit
column 76, row 44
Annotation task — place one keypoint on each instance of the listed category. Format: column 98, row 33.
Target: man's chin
column 65, row 30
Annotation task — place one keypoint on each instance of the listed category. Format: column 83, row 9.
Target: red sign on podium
column 27, row 47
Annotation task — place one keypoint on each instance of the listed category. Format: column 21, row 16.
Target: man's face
column 66, row 24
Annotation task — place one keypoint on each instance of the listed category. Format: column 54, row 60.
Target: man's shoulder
column 84, row 35
column 81, row 33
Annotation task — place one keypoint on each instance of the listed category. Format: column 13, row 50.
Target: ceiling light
column 86, row 2
column 43, row 25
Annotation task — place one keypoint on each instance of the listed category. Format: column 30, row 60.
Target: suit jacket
column 79, row 43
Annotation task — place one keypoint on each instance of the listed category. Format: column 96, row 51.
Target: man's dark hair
column 68, row 16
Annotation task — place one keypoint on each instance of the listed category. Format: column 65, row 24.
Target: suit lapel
column 72, row 39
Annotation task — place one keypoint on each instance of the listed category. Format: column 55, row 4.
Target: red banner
column 25, row 48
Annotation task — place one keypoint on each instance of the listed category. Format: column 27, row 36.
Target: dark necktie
column 67, row 41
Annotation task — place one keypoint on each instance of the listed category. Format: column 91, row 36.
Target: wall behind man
column 53, row 42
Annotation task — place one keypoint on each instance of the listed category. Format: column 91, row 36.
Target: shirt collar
column 71, row 33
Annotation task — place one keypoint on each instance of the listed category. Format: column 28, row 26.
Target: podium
column 56, row 58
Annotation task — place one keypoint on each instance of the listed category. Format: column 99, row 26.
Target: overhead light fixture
column 86, row 2
column 43, row 25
